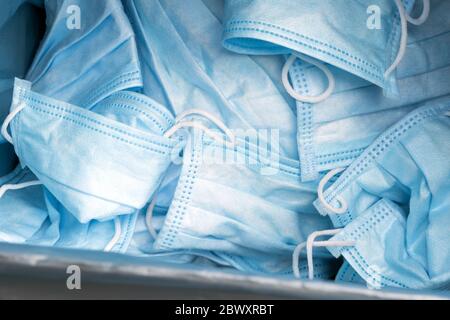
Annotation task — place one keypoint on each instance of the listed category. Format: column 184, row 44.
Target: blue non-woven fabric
column 333, row 31
column 396, row 194
column 334, row 132
column 184, row 66
column 95, row 166
column 193, row 70
column 88, row 52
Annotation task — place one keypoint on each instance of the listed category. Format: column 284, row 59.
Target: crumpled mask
column 334, row 132
column 184, row 66
column 332, row 31
column 23, row 211
column 88, row 52
column 31, row 215
column 224, row 204
column 392, row 203
column 193, row 71
column 97, row 167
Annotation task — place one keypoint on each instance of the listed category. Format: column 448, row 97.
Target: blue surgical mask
column 142, row 244
column 193, row 70
column 88, row 52
column 391, row 206
column 226, row 202
column 22, row 210
column 32, row 215
column 97, row 167
column 335, row 32
column 334, row 132
column 63, row 229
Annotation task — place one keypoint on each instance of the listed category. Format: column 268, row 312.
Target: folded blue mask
column 335, row 32
column 97, row 167
column 21, row 30
column 391, row 206
column 142, row 244
column 62, row 229
column 22, row 210
column 193, row 70
column 31, row 215
column 332, row 133
column 88, row 52
column 224, row 204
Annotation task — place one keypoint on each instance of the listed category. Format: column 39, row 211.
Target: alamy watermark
column 374, row 17
column 73, row 20
column 73, row 281
column 256, row 148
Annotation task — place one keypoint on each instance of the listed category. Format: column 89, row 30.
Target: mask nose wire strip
column 309, row 244
column 18, row 186
column 117, row 234
column 343, row 204
column 8, row 120
column 180, row 123
column 404, row 18
column 308, row 99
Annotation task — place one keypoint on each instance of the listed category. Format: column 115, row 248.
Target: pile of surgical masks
column 298, row 139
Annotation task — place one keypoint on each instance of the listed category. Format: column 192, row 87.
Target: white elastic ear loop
column 8, row 120
column 181, row 123
column 296, row 95
column 117, row 234
column 343, row 204
column 149, row 217
column 211, row 117
column 404, row 19
column 310, row 243
column 194, row 124
column 296, row 257
column 18, row 186
column 403, row 39
column 423, row 16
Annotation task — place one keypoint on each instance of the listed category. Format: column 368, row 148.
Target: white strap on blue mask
column 309, row 244
column 8, row 120
column 423, row 16
column 4, row 188
column 299, row 97
column 404, row 19
column 181, row 123
column 343, row 204
column 116, row 237
column 18, row 186
column 7, row 136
